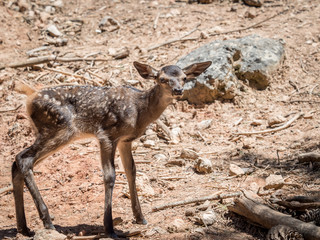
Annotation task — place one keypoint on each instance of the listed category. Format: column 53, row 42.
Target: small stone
column 53, row 31
column 132, row 82
column 149, row 143
column 253, row 3
column 274, row 181
column 108, row 24
column 58, row 4
column 176, row 162
column 248, row 14
column 203, row 165
column 235, row 170
column 209, row 217
column 257, row 122
column 190, row 212
column 175, row 135
column 205, row 124
column 275, row 120
column 23, row 5
column 50, row 9
column 178, row 225
column 44, row 16
column 204, row 35
column 189, row 154
column 48, row 234
column 160, row 157
column 155, row 230
column 247, row 143
column 204, row 206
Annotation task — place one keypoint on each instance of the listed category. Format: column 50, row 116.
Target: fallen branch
column 174, row 40
column 165, row 129
column 129, row 233
column 6, row 189
column 11, row 109
column 46, row 59
column 196, row 200
column 286, row 125
column 72, row 75
column 251, row 26
column 299, row 206
column 268, row 218
column 309, row 157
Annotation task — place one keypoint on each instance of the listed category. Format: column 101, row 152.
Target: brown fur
column 115, row 116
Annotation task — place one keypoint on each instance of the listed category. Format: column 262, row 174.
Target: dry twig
column 6, row 189
column 46, row 59
column 309, row 157
column 286, row 125
column 175, row 39
column 165, row 129
column 11, row 109
column 196, row 200
column 251, row 26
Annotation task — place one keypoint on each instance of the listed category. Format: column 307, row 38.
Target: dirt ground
column 71, row 180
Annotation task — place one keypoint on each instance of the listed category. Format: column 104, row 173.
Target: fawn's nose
column 178, row 91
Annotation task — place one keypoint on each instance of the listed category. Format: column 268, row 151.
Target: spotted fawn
column 115, row 116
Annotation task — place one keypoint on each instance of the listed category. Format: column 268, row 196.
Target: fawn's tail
column 23, row 88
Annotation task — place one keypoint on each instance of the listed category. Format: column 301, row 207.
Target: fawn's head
column 171, row 78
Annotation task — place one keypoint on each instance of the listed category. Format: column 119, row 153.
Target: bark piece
column 263, row 215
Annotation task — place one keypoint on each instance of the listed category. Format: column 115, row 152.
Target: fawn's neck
column 157, row 101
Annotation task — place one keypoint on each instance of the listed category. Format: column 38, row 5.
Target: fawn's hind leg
column 22, row 171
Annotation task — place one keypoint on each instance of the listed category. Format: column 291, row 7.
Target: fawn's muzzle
column 178, row 91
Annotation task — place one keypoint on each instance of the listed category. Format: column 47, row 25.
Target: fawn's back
column 87, row 110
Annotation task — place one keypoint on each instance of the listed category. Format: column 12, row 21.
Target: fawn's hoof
column 112, row 235
column 142, row 221
column 49, row 226
column 25, row 231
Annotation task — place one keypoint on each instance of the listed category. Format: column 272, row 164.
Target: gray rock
column 251, row 59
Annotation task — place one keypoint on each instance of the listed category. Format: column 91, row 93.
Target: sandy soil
column 71, row 180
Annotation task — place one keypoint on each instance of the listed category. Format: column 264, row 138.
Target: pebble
column 178, row 225
column 203, row 165
column 205, row 124
column 189, row 154
column 149, row 143
column 53, row 31
column 274, row 181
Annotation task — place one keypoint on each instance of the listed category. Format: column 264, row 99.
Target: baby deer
column 115, row 116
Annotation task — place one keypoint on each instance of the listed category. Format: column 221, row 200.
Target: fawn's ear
column 146, row 71
column 196, row 69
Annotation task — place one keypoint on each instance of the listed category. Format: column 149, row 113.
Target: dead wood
column 46, row 59
column 251, row 26
column 304, row 199
column 175, row 39
column 284, row 126
column 11, row 109
column 197, row 200
column 299, row 206
column 165, row 129
column 129, row 233
column 6, row 189
column 266, row 217
column 309, row 157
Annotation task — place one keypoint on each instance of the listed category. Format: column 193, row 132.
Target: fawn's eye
column 162, row 80
column 184, row 79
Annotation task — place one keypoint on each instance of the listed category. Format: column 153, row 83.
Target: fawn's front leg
column 130, row 168
column 107, row 149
